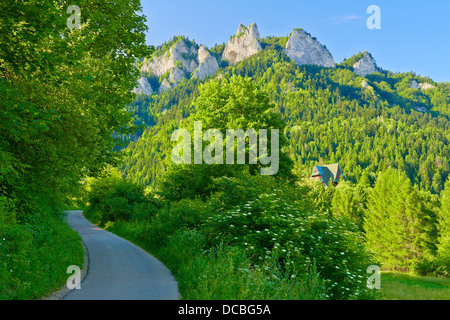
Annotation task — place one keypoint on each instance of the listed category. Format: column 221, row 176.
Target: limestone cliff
column 421, row 86
column 366, row 65
column 182, row 55
column 179, row 62
column 143, row 87
column 208, row 64
column 243, row 44
column 182, row 59
column 304, row 49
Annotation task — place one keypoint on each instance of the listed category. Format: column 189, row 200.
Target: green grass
column 34, row 257
column 398, row 286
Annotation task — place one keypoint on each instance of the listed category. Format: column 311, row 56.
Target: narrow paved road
column 118, row 269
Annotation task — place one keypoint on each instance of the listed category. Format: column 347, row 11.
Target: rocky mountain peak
column 366, row 65
column 181, row 60
column 241, row 29
column 252, row 32
column 207, row 64
column 243, row 44
column 181, row 55
column 304, row 49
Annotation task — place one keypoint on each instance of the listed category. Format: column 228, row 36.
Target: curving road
column 118, row 269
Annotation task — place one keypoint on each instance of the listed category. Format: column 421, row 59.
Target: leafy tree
column 112, row 198
column 221, row 105
column 63, row 90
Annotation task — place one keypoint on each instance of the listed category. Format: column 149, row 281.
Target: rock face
column 421, row 86
column 208, row 64
column 303, row 49
column 183, row 59
column 177, row 74
column 426, row 86
column 165, row 85
column 243, row 44
column 143, row 87
column 181, row 55
column 365, row 66
column 415, row 85
column 180, row 62
column 365, row 85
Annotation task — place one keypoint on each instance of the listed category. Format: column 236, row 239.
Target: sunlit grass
column 399, row 286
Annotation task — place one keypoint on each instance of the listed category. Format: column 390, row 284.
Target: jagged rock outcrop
column 165, row 85
column 421, row 86
column 176, row 75
column 181, row 55
column 365, row 85
column 303, row 49
column 415, row 85
column 243, row 44
column 179, row 62
column 207, row 64
column 143, row 87
column 366, row 65
column 182, row 59
column 426, row 86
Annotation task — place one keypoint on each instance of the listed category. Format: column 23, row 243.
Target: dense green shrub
column 226, row 273
column 112, row 198
column 176, row 216
column 443, row 251
column 270, row 224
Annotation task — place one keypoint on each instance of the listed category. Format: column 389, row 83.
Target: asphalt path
column 118, row 269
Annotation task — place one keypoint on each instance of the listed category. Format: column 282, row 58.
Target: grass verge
column 34, row 257
column 399, row 286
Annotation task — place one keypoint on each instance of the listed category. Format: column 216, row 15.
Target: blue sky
column 414, row 35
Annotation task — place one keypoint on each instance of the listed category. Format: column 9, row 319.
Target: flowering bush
column 271, row 226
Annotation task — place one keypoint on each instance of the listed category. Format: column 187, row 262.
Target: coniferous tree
column 397, row 229
column 443, row 251
column 346, row 202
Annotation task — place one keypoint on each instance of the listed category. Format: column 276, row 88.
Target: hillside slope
column 354, row 113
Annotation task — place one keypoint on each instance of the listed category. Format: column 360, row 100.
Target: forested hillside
column 367, row 124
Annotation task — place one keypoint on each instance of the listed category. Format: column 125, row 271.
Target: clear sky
column 414, row 34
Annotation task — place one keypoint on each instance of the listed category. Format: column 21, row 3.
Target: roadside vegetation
column 400, row 286
column 62, row 95
column 267, row 243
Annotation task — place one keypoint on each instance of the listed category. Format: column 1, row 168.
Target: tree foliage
column 444, row 230
column 397, row 228
column 63, row 92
